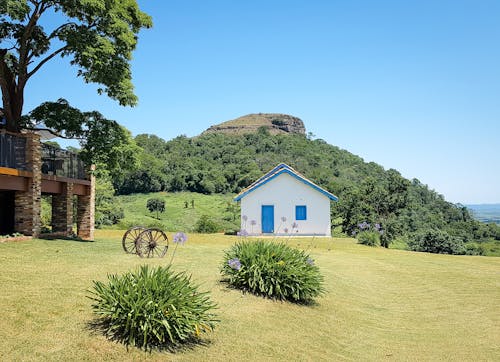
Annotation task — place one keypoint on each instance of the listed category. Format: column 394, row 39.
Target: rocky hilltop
column 276, row 123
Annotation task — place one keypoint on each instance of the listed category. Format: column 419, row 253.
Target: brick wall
column 62, row 210
column 86, row 211
column 28, row 203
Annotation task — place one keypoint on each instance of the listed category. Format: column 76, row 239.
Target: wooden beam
column 81, row 190
column 51, row 187
column 15, row 172
column 14, row 183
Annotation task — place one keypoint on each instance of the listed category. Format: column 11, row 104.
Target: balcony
column 62, row 163
column 54, row 161
column 13, row 151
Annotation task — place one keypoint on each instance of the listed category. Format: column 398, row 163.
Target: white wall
column 285, row 192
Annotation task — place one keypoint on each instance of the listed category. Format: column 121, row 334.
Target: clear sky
column 412, row 85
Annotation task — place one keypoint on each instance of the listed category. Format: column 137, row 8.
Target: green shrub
column 474, row 249
column 273, row 270
column 370, row 238
column 152, row 307
column 436, row 241
column 206, row 225
column 108, row 215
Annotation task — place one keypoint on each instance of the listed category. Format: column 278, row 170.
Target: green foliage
column 108, row 211
column 370, row 238
column 46, row 213
column 102, row 141
column 436, row 241
column 273, row 270
column 156, row 205
column 97, row 36
column 206, row 225
column 152, row 307
column 221, row 163
column 474, row 249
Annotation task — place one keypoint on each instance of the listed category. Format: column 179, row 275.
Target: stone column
column 62, row 210
column 86, row 211
column 28, row 203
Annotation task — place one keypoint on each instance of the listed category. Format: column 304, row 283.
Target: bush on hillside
column 370, row 238
column 436, row 241
column 152, row 307
column 474, row 249
column 206, row 225
column 273, row 270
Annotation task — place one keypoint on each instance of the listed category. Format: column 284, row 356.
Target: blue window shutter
column 300, row 212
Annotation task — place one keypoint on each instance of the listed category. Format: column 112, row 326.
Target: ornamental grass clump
column 274, row 270
column 152, row 307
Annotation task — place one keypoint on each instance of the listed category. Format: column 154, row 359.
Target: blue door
column 267, row 219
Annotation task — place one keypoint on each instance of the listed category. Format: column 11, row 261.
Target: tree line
column 368, row 194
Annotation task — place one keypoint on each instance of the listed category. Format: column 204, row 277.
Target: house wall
column 285, row 192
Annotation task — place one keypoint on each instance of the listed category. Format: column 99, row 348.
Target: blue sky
column 411, row 85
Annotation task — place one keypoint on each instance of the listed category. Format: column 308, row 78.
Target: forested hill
column 225, row 163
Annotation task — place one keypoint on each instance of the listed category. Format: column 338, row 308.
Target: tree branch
column 23, row 42
column 55, row 133
column 43, row 61
column 56, row 30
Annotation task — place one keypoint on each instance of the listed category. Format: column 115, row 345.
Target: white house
column 284, row 202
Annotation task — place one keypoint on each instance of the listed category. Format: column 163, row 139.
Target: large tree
column 97, row 35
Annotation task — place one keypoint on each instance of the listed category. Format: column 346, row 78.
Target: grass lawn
column 178, row 217
column 381, row 304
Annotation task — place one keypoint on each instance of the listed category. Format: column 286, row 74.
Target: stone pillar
column 85, row 217
column 28, row 203
column 62, row 210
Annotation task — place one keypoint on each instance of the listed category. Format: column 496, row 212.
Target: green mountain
column 225, row 162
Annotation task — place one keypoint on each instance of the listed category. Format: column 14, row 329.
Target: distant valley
column 486, row 212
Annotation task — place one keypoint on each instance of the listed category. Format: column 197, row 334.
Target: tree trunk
column 12, row 95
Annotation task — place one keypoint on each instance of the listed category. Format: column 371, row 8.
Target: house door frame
column 267, row 219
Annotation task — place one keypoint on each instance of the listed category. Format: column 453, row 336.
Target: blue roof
column 275, row 172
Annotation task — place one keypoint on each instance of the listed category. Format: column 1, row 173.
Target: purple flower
column 283, row 219
column 234, row 264
column 242, row 232
column 180, row 238
column 286, row 230
column 310, row 261
column 244, row 217
column 353, row 233
column 377, row 227
column 295, row 225
column 253, row 222
column 363, row 225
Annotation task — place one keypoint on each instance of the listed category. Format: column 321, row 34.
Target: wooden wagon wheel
column 151, row 242
column 129, row 239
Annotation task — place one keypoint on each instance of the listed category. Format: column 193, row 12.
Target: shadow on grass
column 101, row 327
column 63, row 237
column 227, row 287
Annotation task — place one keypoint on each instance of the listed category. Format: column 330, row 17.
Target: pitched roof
column 275, row 172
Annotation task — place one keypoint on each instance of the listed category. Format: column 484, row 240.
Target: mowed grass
column 381, row 304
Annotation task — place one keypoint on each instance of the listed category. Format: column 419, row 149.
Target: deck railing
column 13, row 151
column 59, row 162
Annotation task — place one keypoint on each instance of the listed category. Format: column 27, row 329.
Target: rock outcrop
column 275, row 123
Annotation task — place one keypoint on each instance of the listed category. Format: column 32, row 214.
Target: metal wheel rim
column 151, row 242
column 129, row 239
